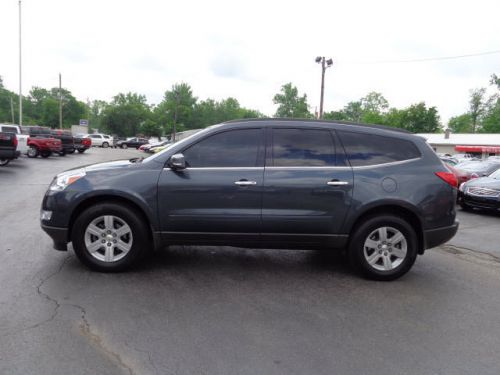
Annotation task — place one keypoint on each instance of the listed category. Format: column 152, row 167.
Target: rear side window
column 9, row 129
column 303, row 148
column 369, row 149
column 234, row 148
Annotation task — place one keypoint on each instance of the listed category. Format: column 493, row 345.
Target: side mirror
column 177, row 161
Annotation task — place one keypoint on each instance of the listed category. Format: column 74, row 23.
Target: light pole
column 325, row 64
column 20, row 73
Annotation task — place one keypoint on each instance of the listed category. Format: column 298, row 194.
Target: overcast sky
column 248, row 49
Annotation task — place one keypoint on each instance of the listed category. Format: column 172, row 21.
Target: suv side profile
column 378, row 192
column 100, row 140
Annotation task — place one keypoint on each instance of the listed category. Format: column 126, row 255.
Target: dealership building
column 482, row 144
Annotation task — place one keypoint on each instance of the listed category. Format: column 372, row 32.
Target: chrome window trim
column 220, row 168
column 387, row 164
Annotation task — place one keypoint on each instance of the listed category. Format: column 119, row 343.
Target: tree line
column 129, row 114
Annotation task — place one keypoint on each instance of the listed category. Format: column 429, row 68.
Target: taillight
column 448, row 177
column 15, row 141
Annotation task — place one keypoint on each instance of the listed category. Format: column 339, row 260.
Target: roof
column 277, row 119
column 481, row 139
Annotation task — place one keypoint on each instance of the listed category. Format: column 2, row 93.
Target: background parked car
column 132, row 142
column 67, row 142
column 150, row 149
column 22, row 139
column 482, row 193
column 41, row 142
column 479, row 168
column 82, row 143
column 8, row 148
column 100, row 140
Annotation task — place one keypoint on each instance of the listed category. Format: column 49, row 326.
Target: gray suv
column 380, row 193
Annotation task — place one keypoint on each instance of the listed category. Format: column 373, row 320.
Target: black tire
column 45, row 154
column 62, row 153
column 33, row 152
column 105, row 145
column 466, row 207
column 71, row 151
column 4, row 162
column 124, row 146
column 358, row 256
column 140, row 237
column 81, row 151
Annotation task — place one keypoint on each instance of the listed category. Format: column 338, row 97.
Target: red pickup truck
column 41, row 142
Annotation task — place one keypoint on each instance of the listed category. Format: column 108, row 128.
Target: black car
column 132, row 142
column 67, row 141
column 379, row 192
column 482, row 193
column 479, row 168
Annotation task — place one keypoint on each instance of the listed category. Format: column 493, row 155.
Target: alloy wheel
column 385, row 248
column 108, row 238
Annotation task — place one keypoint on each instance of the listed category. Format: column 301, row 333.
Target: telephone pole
column 12, row 110
column 325, row 64
column 60, row 103
column 20, row 72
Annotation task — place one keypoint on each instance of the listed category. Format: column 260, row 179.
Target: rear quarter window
column 370, row 149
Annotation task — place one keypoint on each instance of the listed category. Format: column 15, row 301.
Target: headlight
column 462, row 187
column 63, row 180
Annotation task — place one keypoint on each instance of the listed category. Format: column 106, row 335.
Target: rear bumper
column 436, row 237
column 9, row 154
column 58, row 235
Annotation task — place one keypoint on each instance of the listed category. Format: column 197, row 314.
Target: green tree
column 477, row 107
column 417, row 118
column 125, row 114
column 374, row 102
column 353, row 111
column 461, row 123
column 290, row 104
column 178, row 101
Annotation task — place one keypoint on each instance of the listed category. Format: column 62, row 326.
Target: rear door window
column 369, row 149
column 302, row 148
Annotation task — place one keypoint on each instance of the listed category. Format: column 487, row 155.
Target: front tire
column 4, row 162
column 383, row 247
column 105, row 145
column 62, row 153
column 32, row 152
column 110, row 237
column 124, row 146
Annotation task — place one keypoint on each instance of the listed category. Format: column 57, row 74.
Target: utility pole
column 20, row 72
column 60, row 103
column 174, row 130
column 12, row 110
column 325, row 64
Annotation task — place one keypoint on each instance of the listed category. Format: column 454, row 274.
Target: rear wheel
column 383, row 247
column 4, row 162
column 45, row 154
column 81, row 151
column 110, row 237
column 105, row 145
column 32, row 152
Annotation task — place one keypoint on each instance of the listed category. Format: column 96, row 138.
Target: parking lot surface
column 213, row 310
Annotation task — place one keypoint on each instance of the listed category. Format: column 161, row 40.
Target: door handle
column 337, row 183
column 245, row 183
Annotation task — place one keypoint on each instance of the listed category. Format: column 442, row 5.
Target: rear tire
column 383, row 247
column 105, row 145
column 4, row 162
column 81, row 151
column 32, row 152
column 103, row 222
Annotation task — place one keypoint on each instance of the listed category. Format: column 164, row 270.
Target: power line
column 425, row 59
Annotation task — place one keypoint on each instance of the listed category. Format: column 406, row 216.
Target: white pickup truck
column 22, row 139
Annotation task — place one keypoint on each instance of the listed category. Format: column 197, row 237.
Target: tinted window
column 235, row 148
column 369, row 149
column 302, row 148
column 9, row 129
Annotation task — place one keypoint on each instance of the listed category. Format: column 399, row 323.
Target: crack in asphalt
column 150, row 359
column 458, row 250
column 47, row 297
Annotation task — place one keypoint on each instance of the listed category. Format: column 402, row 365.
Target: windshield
column 182, row 141
column 496, row 174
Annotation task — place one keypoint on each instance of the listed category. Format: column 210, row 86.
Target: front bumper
column 58, row 235
column 481, row 202
column 436, row 237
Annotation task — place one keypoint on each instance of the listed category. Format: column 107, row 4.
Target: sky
column 249, row 49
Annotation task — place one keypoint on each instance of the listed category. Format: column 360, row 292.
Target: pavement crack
column 40, row 292
column 481, row 255
column 97, row 341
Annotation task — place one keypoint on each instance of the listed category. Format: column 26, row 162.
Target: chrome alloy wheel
column 108, row 238
column 385, row 248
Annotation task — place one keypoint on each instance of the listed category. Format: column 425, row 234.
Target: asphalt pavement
column 221, row 310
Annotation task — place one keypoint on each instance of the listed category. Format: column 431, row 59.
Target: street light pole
column 325, row 64
column 20, row 72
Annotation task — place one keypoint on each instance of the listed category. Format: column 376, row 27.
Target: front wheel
column 32, row 152
column 4, row 162
column 124, row 146
column 110, row 237
column 383, row 247
column 105, row 145
column 62, row 153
